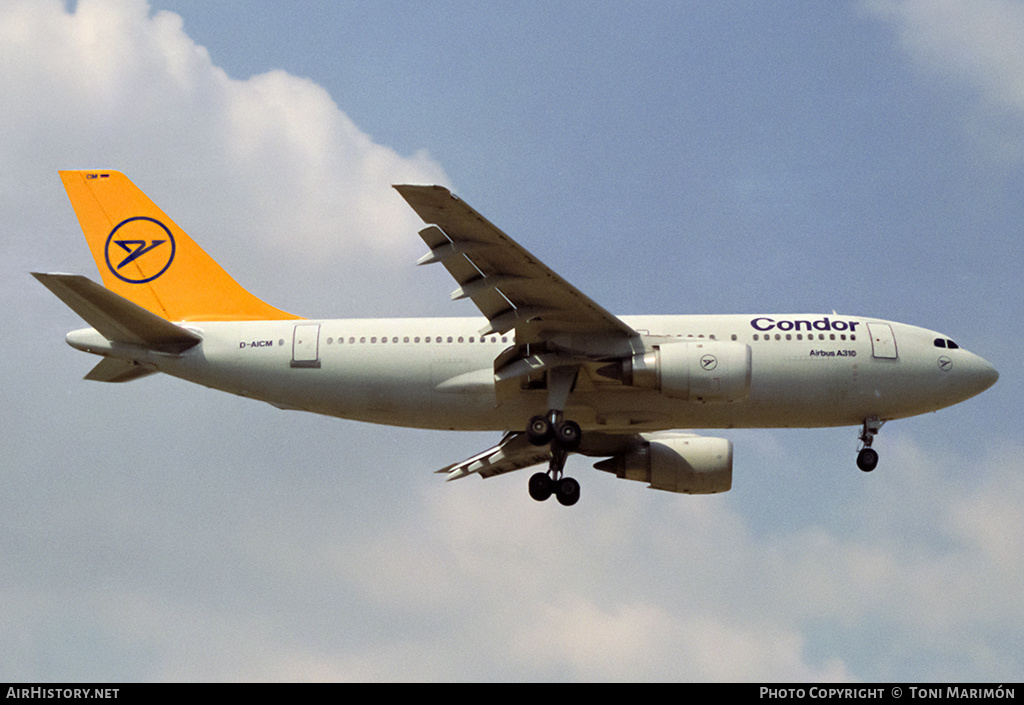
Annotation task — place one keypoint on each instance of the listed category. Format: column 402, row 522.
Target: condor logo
column 764, row 323
column 139, row 250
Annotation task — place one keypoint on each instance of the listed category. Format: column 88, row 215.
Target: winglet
column 144, row 257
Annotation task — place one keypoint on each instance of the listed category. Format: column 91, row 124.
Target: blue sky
column 677, row 157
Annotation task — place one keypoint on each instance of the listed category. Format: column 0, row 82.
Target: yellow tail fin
column 144, row 257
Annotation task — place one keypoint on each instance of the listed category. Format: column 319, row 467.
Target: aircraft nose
column 981, row 374
column 990, row 375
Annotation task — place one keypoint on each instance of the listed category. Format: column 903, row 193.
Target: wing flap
column 514, row 452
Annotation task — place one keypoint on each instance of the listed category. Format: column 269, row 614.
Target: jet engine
column 676, row 463
column 704, row 371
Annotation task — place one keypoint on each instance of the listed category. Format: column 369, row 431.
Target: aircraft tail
column 144, row 257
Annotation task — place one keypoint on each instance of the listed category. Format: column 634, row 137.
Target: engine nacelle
column 700, row 371
column 681, row 463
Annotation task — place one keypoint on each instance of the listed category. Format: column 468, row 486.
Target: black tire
column 568, row 435
column 541, row 486
column 568, row 491
column 867, row 459
column 539, row 431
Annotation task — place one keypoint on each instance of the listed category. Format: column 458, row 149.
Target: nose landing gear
column 867, row 457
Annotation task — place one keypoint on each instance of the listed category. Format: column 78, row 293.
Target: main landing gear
column 564, row 437
column 561, row 434
column 867, row 457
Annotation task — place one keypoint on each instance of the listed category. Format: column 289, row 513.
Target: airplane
column 546, row 366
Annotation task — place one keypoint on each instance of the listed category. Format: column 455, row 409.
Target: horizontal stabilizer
column 112, row 369
column 117, row 319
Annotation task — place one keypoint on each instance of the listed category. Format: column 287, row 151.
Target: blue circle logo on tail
column 146, row 242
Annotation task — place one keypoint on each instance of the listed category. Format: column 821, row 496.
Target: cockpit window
column 940, row 342
column 951, row 345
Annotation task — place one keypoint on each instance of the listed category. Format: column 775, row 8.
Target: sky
column 741, row 156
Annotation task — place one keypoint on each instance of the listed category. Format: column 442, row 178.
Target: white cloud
column 977, row 45
column 266, row 172
column 298, row 568
column 253, row 544
column 987, row 520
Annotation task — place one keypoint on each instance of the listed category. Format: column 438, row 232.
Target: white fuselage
column 805, row 370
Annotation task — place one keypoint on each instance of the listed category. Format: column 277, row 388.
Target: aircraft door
column 306, row 345
column 883, row 341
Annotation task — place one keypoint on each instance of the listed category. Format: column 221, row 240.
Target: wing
column 511, row 287
column 514, row 452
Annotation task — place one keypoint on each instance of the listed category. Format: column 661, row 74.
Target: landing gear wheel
column 564, row 438
column 867, row 459
column 541, row 486
column 568, row 491
column 539, row 431
column 567, row 435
